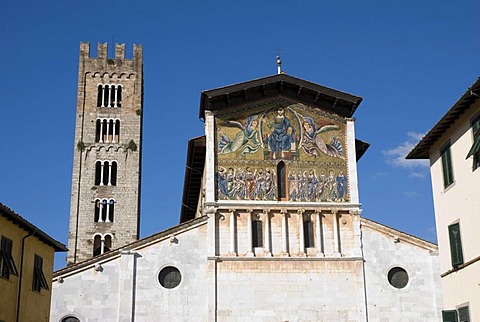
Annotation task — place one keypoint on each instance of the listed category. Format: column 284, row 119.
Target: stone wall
column 129, row 74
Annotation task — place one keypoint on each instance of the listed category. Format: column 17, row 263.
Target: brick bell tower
column 105, row 199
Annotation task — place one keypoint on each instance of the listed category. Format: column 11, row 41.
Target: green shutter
column 455, row 244
column 476, row 124
column 463, row 314
column 475, row 147
column 447, row 166
column 449, row 316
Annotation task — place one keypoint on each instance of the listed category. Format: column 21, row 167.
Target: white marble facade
column 123, row 285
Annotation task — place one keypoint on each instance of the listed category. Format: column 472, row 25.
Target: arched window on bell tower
column 282, row 181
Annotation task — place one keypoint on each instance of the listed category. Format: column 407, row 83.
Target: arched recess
column 282, row 181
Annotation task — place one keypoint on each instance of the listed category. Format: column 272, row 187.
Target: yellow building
column 26, row 266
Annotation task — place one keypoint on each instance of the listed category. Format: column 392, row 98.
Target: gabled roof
column 134, row 246
column 421, row 150
column 330, row 99
column 402, row 236
column 18, row 220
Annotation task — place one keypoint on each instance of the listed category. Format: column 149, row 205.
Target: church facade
column 271, row 227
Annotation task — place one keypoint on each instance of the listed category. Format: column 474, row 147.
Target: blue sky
column 409, row 60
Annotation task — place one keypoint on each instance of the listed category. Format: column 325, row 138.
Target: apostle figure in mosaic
column 240, row 189
column 269, row 185
column 250, row 183
column 220, row 178
column 341, row 186
column 293, row 186
column 259, row 184
column 312, row 186
column 247, row 140
column 314, row 145
column 330, row 186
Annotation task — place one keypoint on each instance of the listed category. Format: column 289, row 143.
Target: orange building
column 26, row 266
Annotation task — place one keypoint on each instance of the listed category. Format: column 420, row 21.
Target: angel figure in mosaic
column 247, row 140
column 314, row 145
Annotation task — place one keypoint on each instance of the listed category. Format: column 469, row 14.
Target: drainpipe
column 79, row 175
column 20, row 276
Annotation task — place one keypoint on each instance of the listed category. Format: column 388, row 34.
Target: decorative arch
column 282, row 186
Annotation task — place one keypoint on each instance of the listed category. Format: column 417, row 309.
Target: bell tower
column 105, row 198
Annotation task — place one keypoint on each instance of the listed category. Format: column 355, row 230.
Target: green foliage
column 111, row 61
column 138, row 111
column 132, row 146
column 80, row 146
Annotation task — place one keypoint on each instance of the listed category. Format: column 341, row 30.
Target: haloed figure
column 282, row 135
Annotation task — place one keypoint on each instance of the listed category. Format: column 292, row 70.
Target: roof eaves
column 395, row 232
column 69, row 270
column 421, row 150
column 207, row 95
column 31, row 228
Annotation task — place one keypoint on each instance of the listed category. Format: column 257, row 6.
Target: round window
column 70, row 319
column 169, row 277
column 398, row 277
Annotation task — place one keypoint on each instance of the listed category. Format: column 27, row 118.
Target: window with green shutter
column 449, row 316
column 39, row 280
column 447, row 165
column 7, row 264
column 475, row 149
column 455, row 244
column 463, row 315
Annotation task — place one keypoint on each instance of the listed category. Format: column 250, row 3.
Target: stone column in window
column 107, row 139
column 107, row 213
column 319, row 233
column 336, row 244
column 109, row 173
column 101, row 172
column 110, row 87
column 99, row 205
column 104, row 210
column 114, row 131
column 232, row 233
column 103, row 95
column 266, row 216
column 301, row 232
column 101, row 132
column 102, row 245
column 115, row 97
column 284, row 233
column 249, row 233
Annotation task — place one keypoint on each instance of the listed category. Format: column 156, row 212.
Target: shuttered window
column 463, row 314
column 257, row 233
column 449, row 316
column 455, row 244
column 475, row 149
column 7, row 264
column 39, row 280
column 447, row 166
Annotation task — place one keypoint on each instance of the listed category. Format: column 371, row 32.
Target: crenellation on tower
column 106, row 169
column 102, row 51
column 119, row 51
